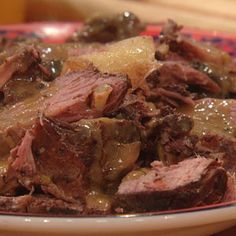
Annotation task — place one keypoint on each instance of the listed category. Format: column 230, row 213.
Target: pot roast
column 110, row 122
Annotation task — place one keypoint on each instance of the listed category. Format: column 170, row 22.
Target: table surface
column 216, row 15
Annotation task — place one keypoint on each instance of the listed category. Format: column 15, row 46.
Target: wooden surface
column 219, row 15
column 216, row 15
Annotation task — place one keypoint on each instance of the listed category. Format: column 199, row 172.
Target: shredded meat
column 107, row 29
column 24, row 160
column 176, row 143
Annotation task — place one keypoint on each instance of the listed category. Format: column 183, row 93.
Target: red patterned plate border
column 59, row 32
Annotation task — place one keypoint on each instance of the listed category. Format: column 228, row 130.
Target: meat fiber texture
column 49, row 157
column 76, row 95
column 192, row 182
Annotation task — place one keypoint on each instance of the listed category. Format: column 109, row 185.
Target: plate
column 194, row 221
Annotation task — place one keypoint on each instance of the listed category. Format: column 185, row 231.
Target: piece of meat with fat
column 107, row 94
column 171, row 83
column 39, row 205
column 52, row 157
column 192, row 182
column 86, row 94
column 184, row 73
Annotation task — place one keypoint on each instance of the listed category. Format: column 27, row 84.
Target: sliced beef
column 51, row 157
column 102, row 95
column 164, row 88
column 173, row 83
column 39, row 205
column 193, row 182
column 86, row 94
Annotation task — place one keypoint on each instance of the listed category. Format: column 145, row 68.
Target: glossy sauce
column 26, row 111
column 98, row 201
column 212, row 116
